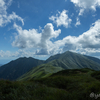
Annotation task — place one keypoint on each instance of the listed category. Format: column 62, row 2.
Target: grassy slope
column 65, row 85
column 40, row 72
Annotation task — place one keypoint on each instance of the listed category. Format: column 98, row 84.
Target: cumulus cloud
column 88, row 42
column 32, row 39
column 61, row 19
column 86, row 4
column 91, row 38
column 6, row 18
column 47, row 34
column 26, row 38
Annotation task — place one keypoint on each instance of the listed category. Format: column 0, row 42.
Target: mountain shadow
column 18, row 67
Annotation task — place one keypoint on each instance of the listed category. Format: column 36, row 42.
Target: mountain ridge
column 27, row 68
column 67, row 60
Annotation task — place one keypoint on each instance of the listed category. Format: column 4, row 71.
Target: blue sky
column 41, row 28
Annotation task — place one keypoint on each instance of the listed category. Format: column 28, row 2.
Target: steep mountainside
column 67, row 60
column 70, row 60
column 16, row 68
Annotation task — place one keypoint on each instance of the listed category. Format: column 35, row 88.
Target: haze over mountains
column 29, row 68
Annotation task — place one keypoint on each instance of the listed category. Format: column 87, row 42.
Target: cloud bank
column 88, row 42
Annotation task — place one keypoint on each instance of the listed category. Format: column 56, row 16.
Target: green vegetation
column 96, row 75
column 40, row 72
column 75, row 84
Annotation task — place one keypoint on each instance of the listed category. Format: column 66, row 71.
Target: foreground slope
column 67, row 60
column 74, row 84
column 16, row 68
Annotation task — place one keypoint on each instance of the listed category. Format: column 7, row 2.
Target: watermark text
column 93, row 95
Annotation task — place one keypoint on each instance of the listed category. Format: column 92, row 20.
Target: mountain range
column 29, row 68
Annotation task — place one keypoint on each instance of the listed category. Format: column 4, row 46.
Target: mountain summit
column 71, row 60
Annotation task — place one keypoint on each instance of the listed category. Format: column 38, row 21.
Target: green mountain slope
column 16, row 68
column 70, row 60
column 67, row 60
column 41, row 71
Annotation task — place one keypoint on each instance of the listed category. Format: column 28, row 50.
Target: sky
column 41, row 28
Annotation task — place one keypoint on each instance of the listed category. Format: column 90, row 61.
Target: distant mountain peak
column 18, row 67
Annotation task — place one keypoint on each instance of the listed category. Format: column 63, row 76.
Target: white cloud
column 77, row 22
column 26, row 38
column 3, row 7
column 86, row 4
column 33, row 39
column 6, row 18
column 91, row 38
column 88, row 42
column 61, row 19
column 41, row 44
column 81, row 12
